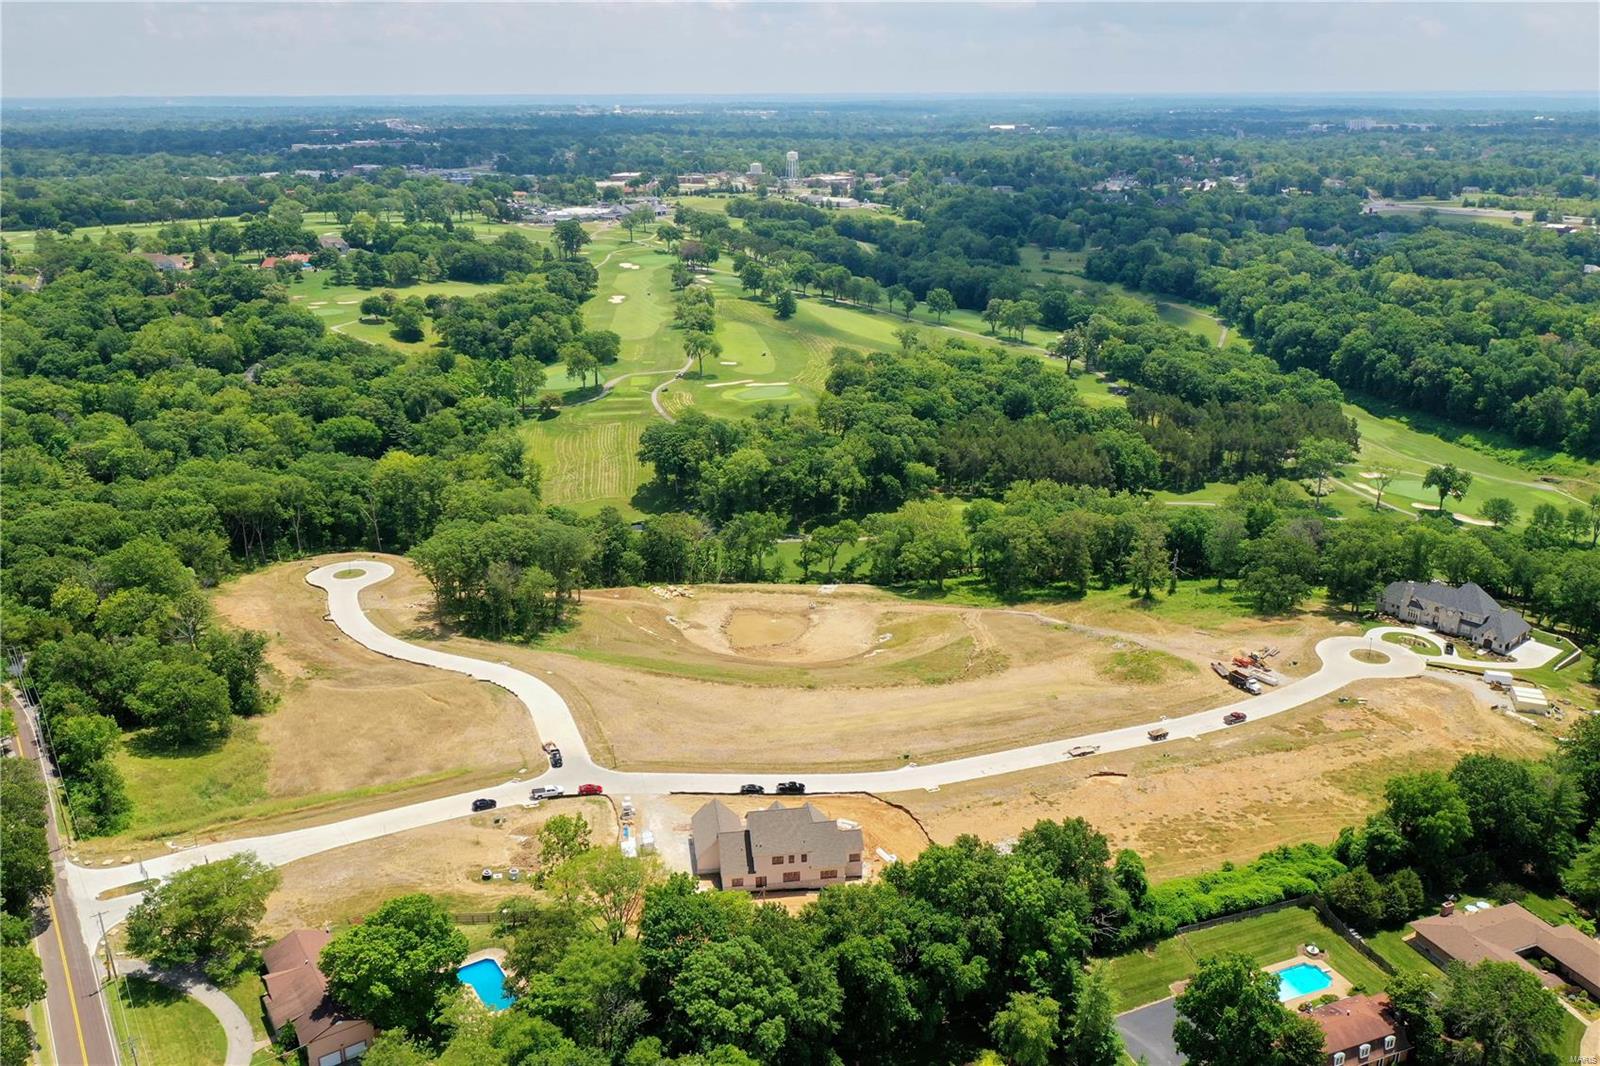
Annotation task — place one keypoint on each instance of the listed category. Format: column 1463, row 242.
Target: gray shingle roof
column 1475, row 606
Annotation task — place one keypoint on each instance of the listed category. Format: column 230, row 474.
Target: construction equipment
column 1159, row 733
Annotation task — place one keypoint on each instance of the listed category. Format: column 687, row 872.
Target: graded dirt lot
column 757, row 677
column 347, row 717
column 1189, row 805
column 445, row 860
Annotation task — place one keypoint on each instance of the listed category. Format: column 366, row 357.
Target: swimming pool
column 486, row 978
column 1301, row 979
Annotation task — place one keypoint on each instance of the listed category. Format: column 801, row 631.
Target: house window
column 777, row 860
column 828, row 875
column 791, row 858
column 855, row 856
column 761, row 882
column 805, row 857
column 738, row 882
column 1365, row 1052
column 1388, row 1043
column 791, row 875
column 331, row 1059
column 355, row 1051
column 1338, row 1058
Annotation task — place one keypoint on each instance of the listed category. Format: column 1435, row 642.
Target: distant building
column 755, row 171
column 334, row 241
column 297, row 995
column 775, row 849
column 1361, row 1031
column 301, row 258
column 1467, row 612
column 1511, row 933
column 162, row 261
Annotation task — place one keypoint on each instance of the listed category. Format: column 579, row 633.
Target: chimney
column 1447, row 908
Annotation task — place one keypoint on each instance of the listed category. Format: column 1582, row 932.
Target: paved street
column 79, row 1029
column 553, row 721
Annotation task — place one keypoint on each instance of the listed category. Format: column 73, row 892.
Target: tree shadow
column 147, row 744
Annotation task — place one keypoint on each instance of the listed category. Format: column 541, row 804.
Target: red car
column 1233, row 718
column 590, row 790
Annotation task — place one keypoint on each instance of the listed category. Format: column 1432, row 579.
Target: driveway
column 1147, row 1033
column 553, row 721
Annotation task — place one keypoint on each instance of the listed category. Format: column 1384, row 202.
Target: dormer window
column 1338, row 1058
column 1388, row 1043
column 1366, row 1052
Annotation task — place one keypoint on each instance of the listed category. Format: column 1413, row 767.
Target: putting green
column 761, row 393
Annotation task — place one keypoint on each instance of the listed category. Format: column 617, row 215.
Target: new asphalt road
column 344, row 582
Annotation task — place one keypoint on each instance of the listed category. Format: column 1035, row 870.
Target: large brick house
column 776, row 849
column 1361, row 1031
column 1465, row 612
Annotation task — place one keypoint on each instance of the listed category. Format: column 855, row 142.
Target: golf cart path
column 553, row 721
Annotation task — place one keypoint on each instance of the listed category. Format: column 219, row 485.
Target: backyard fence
column 475, row 918
column 1351, row 937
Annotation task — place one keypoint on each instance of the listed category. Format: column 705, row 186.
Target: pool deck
column 1340, row 986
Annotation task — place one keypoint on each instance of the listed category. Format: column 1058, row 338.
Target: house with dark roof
column 1361, row 1031
column 1465, row 612
column 776, row 849
column 1511, row 933
column 297, row 1000
column 162, row 261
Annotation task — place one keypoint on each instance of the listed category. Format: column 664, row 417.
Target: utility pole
column 111, row 978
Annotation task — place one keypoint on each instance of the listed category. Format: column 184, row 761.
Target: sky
column 761, row 50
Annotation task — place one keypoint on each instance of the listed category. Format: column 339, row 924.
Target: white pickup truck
column 547, row 792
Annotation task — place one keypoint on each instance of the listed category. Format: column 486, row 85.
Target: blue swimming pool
column 486, row 978
column 1302, row 979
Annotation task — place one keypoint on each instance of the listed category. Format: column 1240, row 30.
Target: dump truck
column 1159, row 733
column 1240, row 679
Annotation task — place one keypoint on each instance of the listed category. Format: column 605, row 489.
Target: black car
column 791, row 788
column 484, row 805
column 555, row 760
column 751, row 790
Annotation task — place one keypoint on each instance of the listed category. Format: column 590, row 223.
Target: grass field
column 1146, row 976
column 164, row 1026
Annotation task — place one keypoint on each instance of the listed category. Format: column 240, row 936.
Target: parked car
column 555, row 760
column 590, row 790
column 1234, row 717
column 547, row 792
column 751, row 790
column 791, row 788
column 483, row 804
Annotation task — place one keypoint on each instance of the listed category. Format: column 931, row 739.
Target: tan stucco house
column 776, row 849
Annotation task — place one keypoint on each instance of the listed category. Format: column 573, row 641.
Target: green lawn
column 1392, row 946
column 1145, row 976
column 165, row 1027
column 247, row 992
column 171, row 789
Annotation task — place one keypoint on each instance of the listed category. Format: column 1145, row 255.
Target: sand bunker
column 343, row 302
column 629, row 266
column 728, row 362
column 725, row 384
column 616, row 298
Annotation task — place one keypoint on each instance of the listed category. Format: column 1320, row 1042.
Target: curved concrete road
column 553, row 721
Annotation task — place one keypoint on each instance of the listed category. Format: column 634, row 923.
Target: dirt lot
column 446, row 860
column 1188, row 805
column 858, row 679
column 392, row 720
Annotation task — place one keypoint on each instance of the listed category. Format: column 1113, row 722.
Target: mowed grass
column 1142, row 977
column 164, row 1026
column 1411, row 445
column 322, row 223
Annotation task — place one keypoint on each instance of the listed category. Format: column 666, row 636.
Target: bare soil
column 347, row 716
column 1189, row 805
column 445, row 860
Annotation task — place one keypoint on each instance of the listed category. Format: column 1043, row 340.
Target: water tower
column 793, row 158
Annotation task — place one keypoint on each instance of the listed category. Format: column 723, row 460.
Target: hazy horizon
column 686, row 51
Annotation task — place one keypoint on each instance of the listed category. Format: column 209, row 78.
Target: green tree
column 1028, row 1029
column 732, row 992
column 1320, row 457
column 1092, row 1038
column 1382, row 476
column 206, row 916
column 940, row 303
column 638, row 218
column 397, row 968
column 1499, row 510
column 1581, row 878
column 570, row 236
column 698, row 345
column 1148, row 563
column 1503, row 1009
column 1448, row 480
column 25, row 871
column 1230, row 1013
column 562, row 837
column 607, row 887
column 784, row 305
column 183, row 704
